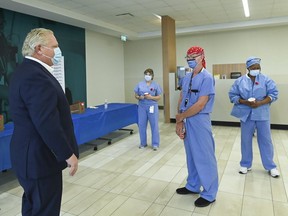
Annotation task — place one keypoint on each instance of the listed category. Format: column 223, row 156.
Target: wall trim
column 237, row 124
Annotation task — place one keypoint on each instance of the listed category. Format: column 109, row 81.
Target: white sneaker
column 274, row 173
column 244, row 170
column 155, row 148
column 142, row 147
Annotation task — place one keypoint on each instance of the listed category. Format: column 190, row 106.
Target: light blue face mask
column 57, row 55
column 192, row 63
column 254, row 72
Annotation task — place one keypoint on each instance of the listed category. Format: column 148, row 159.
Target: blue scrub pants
column 264, row 143
column 200, row 156
column 144, row 116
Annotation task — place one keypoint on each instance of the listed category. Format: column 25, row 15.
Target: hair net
column 252, row 60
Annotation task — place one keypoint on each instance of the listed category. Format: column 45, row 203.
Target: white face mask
column 148, row 78
column 254, row 72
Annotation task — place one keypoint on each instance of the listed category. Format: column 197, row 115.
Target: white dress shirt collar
column 50, row 69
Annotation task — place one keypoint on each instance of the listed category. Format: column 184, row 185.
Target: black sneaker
column 201, row 202
column 184, row 191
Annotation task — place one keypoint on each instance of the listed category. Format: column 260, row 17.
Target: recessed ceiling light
column 246, row 8
column 158, row 16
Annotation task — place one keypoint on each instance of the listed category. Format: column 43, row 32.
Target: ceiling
column 136, row 19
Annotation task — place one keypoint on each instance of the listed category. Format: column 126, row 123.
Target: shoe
column 184, row 191
column 142, row 147
column 274, row 173
column 201, row 202
column 155, row 148
column 244, row 170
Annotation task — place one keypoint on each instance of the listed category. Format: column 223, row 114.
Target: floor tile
column 132, row 207
column 227, row 204
column 168, row 211
column 255, row 206
column 122, row 180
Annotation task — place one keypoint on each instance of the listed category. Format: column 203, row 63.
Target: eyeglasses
column 192, row 57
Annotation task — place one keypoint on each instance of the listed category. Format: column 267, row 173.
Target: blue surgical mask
column 192, row 63
column 254, row 72
column 147, row 78
column 57, row 56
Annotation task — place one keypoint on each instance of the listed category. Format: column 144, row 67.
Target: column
column 169, row 59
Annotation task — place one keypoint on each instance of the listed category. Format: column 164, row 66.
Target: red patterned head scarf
column 197, row 50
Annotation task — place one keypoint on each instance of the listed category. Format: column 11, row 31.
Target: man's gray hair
column 35, row 37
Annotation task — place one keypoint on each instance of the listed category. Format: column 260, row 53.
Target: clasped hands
column 146, row 96
column 254, row 104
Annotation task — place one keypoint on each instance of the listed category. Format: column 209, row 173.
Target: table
column 90, row 125
column 95, row 123
column 5, row 138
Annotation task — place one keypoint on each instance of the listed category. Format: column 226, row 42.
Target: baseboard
column 237, row 124
column 172, row 120
column 223, row 123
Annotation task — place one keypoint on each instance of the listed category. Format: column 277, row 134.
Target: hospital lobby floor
column 123, row 180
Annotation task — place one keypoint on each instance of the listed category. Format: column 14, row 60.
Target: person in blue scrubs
column 193, row 124
column 148, row 93
column 252, row 95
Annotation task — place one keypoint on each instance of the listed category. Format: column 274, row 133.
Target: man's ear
column 38, row 49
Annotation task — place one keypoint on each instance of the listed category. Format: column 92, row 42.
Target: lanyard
column 189, row 90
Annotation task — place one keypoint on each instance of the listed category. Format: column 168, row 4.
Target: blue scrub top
column 244, row 88
column 203, row 84
column 153, row 89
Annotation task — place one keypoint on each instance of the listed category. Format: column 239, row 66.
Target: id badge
column 151, row 109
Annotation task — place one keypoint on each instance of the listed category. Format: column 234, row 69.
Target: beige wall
column 221, row 48
column 114, row 67
column 222, row 106
column 235, row 46
column 104, row 69
column 140, row 55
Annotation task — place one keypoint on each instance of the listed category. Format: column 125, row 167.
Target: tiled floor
column 122, row 180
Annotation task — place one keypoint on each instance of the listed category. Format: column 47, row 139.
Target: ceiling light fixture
column 246, row 8
column 123, row 38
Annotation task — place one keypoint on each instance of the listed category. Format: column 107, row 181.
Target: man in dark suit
column 43, row 142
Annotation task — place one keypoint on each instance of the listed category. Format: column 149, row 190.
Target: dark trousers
column 42, row 197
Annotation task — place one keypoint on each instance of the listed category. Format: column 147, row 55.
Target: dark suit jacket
column 43, row 137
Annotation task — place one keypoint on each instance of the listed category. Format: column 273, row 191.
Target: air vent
column 125, row 15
